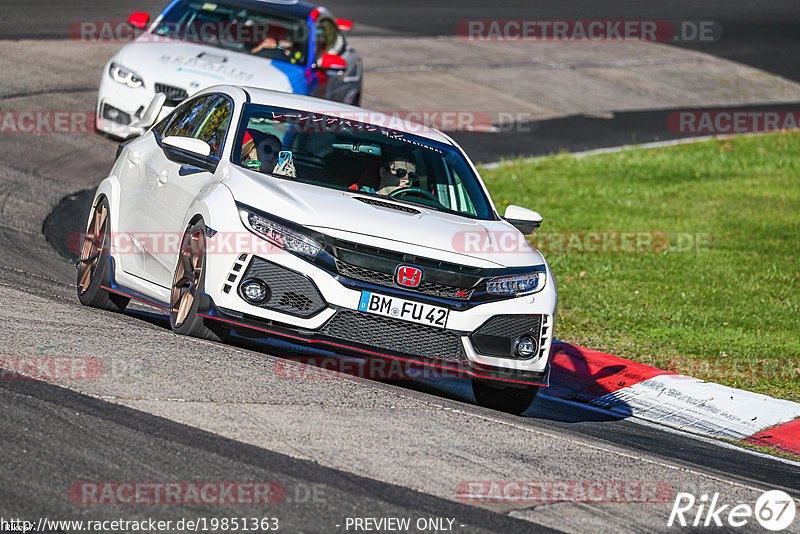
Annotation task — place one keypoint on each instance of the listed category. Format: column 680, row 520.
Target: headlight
column 123, row 75
column 517, row 285
column 279, row 235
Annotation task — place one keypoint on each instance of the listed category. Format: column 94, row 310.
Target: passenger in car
column 260, row 150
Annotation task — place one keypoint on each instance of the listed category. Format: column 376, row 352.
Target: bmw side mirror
column 525, row 220
column 139, row 20
column 152, row 112
column 331, row 62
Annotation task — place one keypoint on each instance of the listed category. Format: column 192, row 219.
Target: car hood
column 428, row 233
column 193, row 66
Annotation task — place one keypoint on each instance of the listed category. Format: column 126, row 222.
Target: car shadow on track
column 295, row 361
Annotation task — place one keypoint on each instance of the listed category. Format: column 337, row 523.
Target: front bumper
column 118, row 106
column 313, row 306
column 249, row 326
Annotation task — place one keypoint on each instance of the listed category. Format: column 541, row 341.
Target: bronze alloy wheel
column 94, row 245
column 95, row 266
column 188, row 275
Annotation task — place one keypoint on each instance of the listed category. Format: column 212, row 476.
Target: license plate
column 406, row 310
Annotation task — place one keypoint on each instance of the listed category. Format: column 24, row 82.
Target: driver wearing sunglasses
column 398, row 173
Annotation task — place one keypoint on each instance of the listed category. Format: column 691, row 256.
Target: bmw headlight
column 122, row 75
column 279, row 235
column 522, row 284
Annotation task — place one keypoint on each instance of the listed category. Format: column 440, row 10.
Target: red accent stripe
column 135, row 298
column 783, row 438
column 331, row 343
column 582, row 374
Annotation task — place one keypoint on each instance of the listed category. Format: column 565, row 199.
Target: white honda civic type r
column 270, row 214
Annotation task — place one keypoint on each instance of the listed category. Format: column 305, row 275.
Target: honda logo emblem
column 408, row 276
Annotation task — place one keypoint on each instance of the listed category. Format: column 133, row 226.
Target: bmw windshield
column 234, row 27
column 338, row 151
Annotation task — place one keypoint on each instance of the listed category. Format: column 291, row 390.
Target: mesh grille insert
column 496, row 336
column 291, row 292
column 396, row 336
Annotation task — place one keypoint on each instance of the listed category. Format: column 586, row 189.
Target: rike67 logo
column 774, row 510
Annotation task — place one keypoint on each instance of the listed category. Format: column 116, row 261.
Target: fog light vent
column 255, row 291
column 525, row 347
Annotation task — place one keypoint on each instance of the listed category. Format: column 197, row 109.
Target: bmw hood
column 370, row 220
column 194, row 66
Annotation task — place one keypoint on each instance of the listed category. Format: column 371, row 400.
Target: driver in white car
column 399, row 172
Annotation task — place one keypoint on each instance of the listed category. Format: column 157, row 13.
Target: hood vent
column 387, row 205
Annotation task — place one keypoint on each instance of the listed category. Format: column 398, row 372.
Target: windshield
column 233, row 27
column 339, row 152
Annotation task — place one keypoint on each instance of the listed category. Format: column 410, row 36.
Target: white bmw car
column 285, row 45
column 271, row 214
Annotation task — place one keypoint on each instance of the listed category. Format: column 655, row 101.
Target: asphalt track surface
column 129, row 428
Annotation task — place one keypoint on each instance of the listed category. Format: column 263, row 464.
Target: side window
column 329, row 40
column 161, row 126
column 215, row 123
column 186, row 118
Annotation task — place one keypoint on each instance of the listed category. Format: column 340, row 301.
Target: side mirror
column 344, row 24
column 525, row 220
column 152, row 113
column 139, row 20
column 197, row 147
column 332, row 62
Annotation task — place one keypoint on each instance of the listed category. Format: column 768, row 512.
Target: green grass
column 727, row 310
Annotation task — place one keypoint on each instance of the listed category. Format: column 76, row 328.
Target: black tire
column 192, row 257
column 357, row 100
column 515, row 400
column 94, row 265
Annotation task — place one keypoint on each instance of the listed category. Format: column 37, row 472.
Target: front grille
column 290, row 291
column 387, row 280
column 496, row 336
column 396, row 336
column 388, row 205
column 173, row 93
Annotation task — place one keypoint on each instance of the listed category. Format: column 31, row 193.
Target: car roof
column 294, row 8
column 322, row 106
